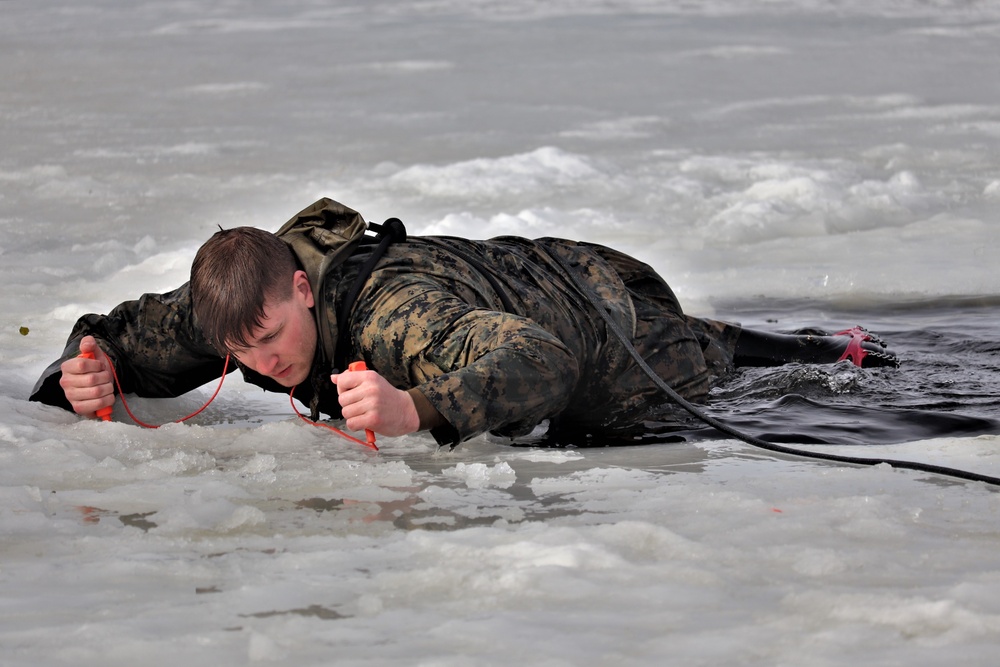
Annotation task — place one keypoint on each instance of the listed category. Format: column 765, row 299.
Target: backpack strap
column 389, row 232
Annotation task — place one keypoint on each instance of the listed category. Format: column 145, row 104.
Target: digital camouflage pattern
column 427, row 318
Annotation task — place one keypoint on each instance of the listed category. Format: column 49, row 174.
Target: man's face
column 284, row 346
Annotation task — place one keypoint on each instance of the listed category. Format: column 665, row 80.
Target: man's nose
column 264, row 362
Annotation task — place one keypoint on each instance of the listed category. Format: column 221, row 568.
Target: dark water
column 947, row 385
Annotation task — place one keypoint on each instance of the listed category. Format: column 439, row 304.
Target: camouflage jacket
column 491, row 333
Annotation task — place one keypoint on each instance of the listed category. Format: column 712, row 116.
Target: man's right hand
column 88, row 383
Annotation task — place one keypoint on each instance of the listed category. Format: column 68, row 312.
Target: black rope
column 389, row 232
column 591, row 296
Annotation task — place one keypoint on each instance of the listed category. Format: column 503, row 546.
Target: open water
column 786, row 164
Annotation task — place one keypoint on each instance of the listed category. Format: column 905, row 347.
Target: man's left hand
column 368, row 401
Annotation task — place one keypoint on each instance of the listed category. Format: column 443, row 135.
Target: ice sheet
column 836, row 153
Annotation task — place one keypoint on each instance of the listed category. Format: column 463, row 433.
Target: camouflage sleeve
column 156, row 348
column 482, row 370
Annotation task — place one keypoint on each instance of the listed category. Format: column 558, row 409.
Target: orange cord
column 143, row 424
column 370, row 444
column 105, row 413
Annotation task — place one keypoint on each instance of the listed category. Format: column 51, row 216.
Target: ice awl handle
column 103, row 413
column 360, row 366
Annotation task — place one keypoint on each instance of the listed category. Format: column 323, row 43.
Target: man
column 463, row 337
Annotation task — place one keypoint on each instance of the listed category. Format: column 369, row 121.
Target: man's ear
column 301, row 288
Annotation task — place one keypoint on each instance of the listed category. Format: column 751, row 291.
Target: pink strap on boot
column 855, row 352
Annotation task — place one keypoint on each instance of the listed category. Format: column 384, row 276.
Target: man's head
column 251, row 299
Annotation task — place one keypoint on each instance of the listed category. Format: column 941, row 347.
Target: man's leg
column 760, row 348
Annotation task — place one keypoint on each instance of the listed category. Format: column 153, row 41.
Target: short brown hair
column 234, row 273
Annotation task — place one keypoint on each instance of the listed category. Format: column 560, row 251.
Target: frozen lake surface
column 786, row 164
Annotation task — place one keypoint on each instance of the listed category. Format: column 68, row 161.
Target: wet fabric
column 491, row 333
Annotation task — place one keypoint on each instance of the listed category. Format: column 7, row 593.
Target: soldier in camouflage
column 461, row 337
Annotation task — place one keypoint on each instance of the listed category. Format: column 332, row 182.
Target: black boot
column 759, row 348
